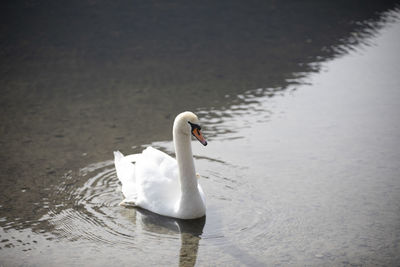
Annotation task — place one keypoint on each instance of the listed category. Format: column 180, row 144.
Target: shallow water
column 302, row 166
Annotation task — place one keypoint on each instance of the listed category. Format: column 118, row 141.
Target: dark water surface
column 300, row 105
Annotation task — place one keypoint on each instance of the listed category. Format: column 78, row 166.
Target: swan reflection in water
column 189, row 230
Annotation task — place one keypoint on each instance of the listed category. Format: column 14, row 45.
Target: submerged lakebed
column 303, row 171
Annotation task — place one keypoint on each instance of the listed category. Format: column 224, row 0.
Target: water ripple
column 90, row 215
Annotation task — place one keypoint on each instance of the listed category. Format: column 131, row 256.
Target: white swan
column 158, row 182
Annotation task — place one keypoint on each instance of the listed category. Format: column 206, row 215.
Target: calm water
column 299, row 102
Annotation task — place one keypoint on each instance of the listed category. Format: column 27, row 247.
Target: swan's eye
column 194, row 126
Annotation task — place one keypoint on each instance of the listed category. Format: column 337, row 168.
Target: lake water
column 299, row 103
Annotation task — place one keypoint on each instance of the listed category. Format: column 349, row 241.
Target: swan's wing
column 158, row 186
column 126, row 174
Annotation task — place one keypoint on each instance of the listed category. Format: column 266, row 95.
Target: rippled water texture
column 299, row 104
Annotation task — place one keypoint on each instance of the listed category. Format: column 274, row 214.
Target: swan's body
column 161, row 184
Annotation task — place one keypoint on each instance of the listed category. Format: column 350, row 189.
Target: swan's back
column 153, row 181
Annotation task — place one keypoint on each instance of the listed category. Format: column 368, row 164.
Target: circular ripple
column 88, row 211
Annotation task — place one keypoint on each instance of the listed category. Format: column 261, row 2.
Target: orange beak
column 197, row 133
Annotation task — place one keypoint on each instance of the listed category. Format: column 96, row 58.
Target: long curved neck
column 184, row 158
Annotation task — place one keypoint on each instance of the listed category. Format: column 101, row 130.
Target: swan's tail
column 126, row 174
column 118, row 155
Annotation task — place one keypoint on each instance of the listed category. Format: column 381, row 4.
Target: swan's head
column 187, row 123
